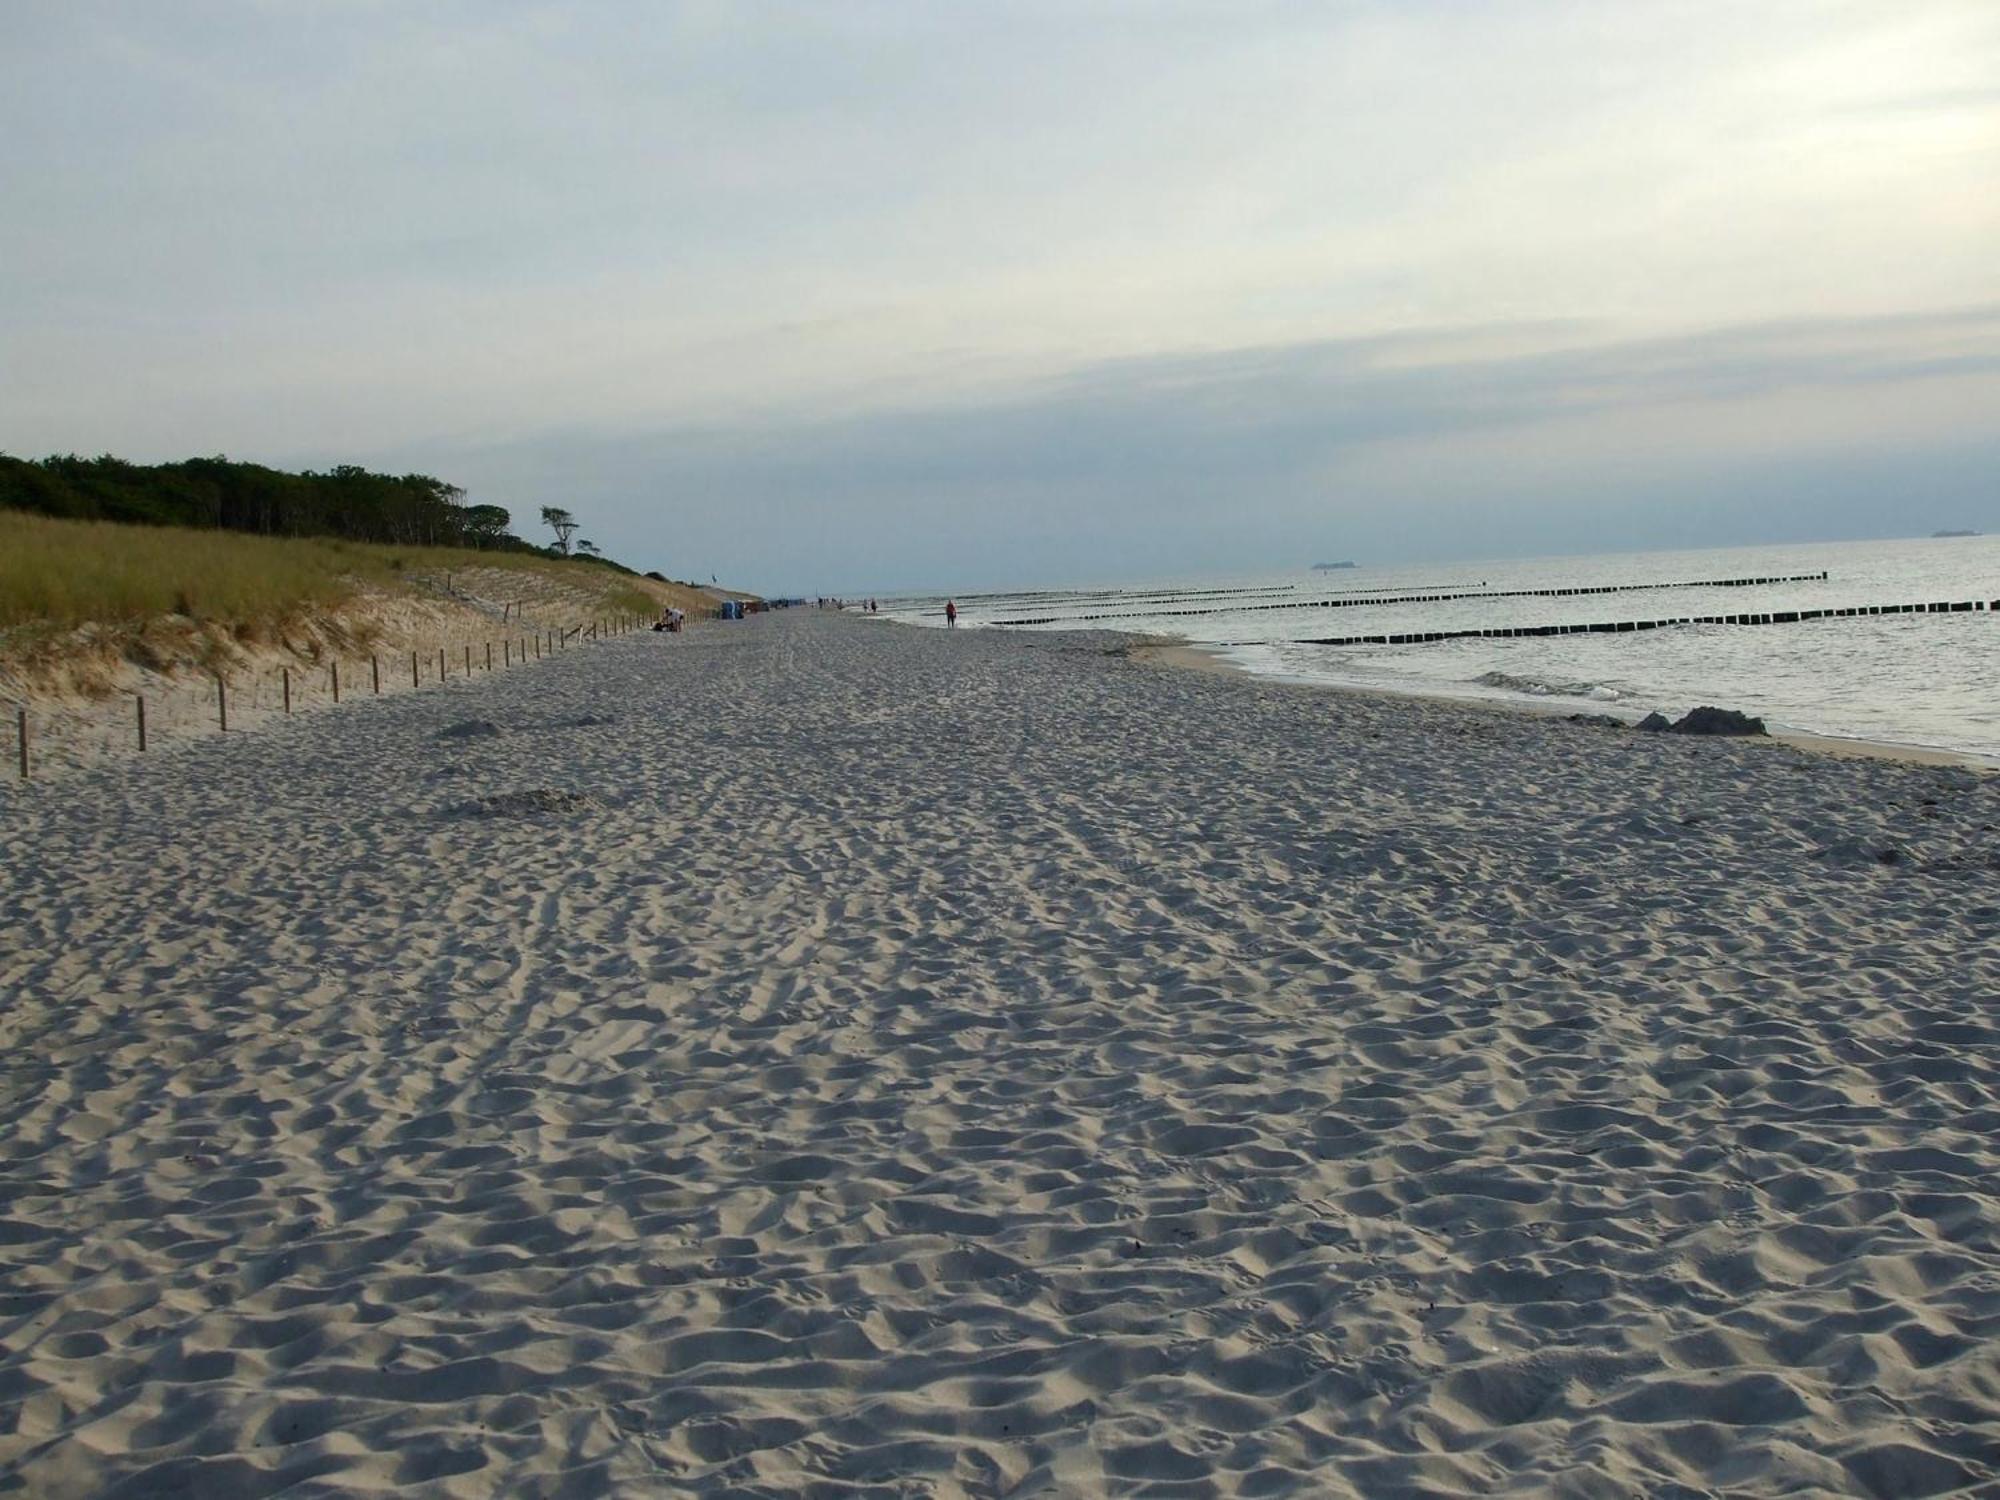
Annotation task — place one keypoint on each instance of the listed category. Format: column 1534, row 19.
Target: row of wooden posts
column 1445, row 594
column 512, row 649
column 1619, row 627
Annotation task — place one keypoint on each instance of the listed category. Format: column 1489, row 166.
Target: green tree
column 486, row 525
column 562, row 523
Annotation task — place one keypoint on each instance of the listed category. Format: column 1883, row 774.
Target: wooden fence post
column 286, row 674
column 141, row 697
column 468, row 658
column 489, row 656
column 413, row 672
column 375, row 672
column 506, row 653
column 336, row 680
column 21, row 722
column 222, row 702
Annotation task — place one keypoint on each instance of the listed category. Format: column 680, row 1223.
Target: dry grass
column 60, row 574
column 56, row 575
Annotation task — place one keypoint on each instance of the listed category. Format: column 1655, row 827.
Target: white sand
column 996, row 1067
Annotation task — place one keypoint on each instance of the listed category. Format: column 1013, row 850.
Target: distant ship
column 1954, row 533
column 1330, row 567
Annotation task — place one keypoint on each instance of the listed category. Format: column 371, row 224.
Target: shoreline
column 1194, row 656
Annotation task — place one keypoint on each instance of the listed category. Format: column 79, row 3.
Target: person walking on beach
column 951, row 614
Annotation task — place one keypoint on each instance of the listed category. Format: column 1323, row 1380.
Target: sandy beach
column 816, row 1056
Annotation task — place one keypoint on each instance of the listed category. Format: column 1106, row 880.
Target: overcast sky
column 854, row 295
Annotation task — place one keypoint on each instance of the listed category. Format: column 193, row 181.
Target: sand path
column 996, row 1067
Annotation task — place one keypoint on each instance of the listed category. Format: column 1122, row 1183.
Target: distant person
column 951, row 614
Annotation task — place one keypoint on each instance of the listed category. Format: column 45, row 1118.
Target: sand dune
column 996, row 1066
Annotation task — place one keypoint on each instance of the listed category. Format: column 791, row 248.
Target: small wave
column 1535, row 688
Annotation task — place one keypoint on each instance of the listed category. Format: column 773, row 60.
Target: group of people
column 672, row 619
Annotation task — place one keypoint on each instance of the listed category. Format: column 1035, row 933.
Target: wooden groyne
column 1437, row 598
column 1619, row 627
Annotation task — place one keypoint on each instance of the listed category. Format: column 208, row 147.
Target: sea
column 1929, row 679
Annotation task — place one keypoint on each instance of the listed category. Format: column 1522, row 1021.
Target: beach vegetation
column 218, row 493
column 60, row 573
column 562, row 523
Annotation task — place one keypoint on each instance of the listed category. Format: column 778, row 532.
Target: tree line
column 344, row 501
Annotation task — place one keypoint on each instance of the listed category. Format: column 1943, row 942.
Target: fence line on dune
column 516, row 650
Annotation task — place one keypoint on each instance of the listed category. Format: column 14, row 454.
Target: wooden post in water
column 140, row 698
column 286, row 674
column 335, row 666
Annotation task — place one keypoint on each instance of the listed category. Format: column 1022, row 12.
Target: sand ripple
column 840, row 1059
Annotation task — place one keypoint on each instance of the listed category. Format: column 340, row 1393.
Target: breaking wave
column 1534, row 687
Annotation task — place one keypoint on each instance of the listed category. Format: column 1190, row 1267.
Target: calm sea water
column 1931, row 680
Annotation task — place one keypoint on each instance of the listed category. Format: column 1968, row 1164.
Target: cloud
column 1226, row 457
column 1065, row 265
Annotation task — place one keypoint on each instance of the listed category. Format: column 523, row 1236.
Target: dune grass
column 60, row 574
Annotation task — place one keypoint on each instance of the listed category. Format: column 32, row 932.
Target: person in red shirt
column 951, row 613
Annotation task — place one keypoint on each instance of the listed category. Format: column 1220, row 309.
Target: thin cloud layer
column 1254, row 458
column 1082, row 264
